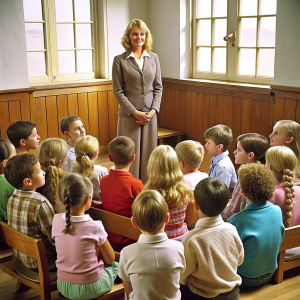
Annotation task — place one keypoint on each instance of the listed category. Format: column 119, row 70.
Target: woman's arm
column 107, row 252
column 157, row 87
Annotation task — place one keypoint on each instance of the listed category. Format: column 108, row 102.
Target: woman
column 137, row 87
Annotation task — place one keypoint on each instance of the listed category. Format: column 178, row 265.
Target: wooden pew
column 291, row 240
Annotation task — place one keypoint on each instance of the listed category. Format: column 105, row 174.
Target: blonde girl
column 81, row 243
column 282, row 161
column 86, row 151
column 287, row 133
column 165, row 176
column 52, row 153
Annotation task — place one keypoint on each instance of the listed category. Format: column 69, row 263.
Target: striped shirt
column 31, row 213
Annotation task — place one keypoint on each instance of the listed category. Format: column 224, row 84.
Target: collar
column 217, row 158
column 145, row 53
column 77, row 219
column 152, row 239
column 209, row 222
column 253, row 206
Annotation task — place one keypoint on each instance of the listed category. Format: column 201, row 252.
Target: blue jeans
column 252, row 282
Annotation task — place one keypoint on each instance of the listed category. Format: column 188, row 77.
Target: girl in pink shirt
column 81, row 244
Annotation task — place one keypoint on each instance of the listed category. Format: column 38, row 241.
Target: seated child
column 150, row 269
column 218, row 139
column 251, row 148
column 259, row 226
column 85, row 259
column 190, row 154
column 119, row 188
column 86, row 151
column 165, row 176
column 23, row 135
column 7, row 150
column 213, row 250
column 52, row 154
column 72, row 128
column 28, row 211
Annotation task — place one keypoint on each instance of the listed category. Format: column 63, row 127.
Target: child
column 119, row 188
column 218, row 139
column 165, row 176
column 287, row 133
column 213, row 250
column 190, row 154
column 28, row 211
column 7, row 150
column 251, row 147
column 81, row 244
column 150, row 269
column 259, row 226
column 282, row 161
column 72, row 128
column 86, row 151
column 52, row 154
column 23, row 135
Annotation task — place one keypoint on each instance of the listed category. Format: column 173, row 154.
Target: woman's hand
column 151, row 114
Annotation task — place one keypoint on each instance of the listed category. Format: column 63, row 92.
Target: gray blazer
column 135, row 89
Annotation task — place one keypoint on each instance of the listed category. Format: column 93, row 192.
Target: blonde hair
column 50, row 153
column 73, row 189
column 190, row 152
column 220, row 134
column 125, row 41
column 284, row 161
column 165, row 176
column 257, row 182
column 85, row 149
column 149, row 210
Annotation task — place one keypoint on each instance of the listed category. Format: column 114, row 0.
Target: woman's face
column 279, row 137
column 137, row 37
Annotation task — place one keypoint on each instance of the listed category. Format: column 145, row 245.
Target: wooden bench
column 163, row 133
column 291, row 240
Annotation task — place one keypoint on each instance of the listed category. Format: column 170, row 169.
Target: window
column 234, row 40
column 59, row 38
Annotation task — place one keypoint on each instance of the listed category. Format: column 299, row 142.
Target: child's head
column 218, row 139
column 150, row 211
column 286, row 133
column 74, row 189
column 72, row 128
column 121, row 150
column 257, row 182
column 251, row 147
column 283, row 161
column 7, row 150
column 23, row 135
column 211, row 195
column 23, row 171
column 86, row 150
column 190, row 153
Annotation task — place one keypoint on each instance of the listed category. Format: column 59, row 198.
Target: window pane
column 248, row 7
column 204, row 8
column 267, row 32
column 267, row 7
column 36, row 64
column 82, row 11
column 65, row 36
column 66, row 62
column 64, row 10
column 34, row 36
column 203, row 59
column 83, row 36
column 204, row 33
column 84, row 61
column 248, row 32
column 247, row 59
column 266, row 62
column 32, row 10
column 219, row 60
column 219, row 8
column 219, row 31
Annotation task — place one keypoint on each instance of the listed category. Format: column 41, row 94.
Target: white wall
column 13, row 57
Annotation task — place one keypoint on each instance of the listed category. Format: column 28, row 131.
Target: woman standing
column 137, row 87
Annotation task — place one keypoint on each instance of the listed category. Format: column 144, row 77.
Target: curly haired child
column 86, row 151
column 165, row 176
column 78, row 236
column 52, row 153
